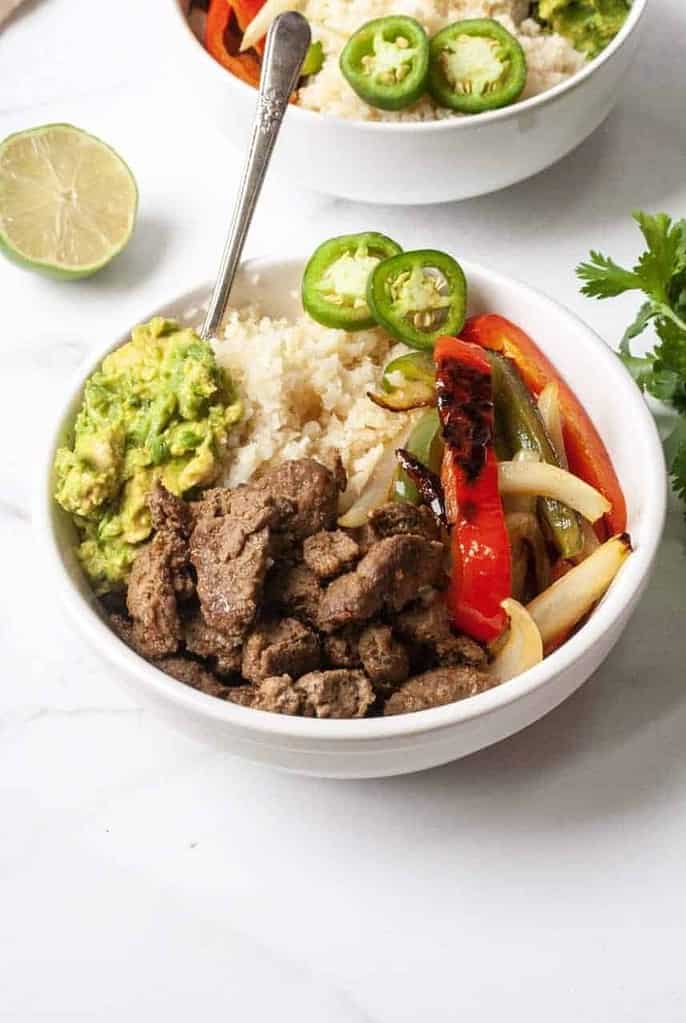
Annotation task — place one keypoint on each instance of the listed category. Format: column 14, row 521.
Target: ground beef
column 330, row 553
column 295, row 589
column 312, row 491
column 393, row 572
column 429, row 626
column 384, row 659
column 205, row 641
column 272, row 694
column 435, row 688
column 230, row 550
column 151, row 596
column 341, row 649
column 281, row 647
column 183, row 669
column 169, row 512
column 335, row 694
column 254, row 560
column 122, row 625
column 172, row 516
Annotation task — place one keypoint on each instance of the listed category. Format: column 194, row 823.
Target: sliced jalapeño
column 476, row 65
column 334, row 286
column 418, row 296
column 386, row 62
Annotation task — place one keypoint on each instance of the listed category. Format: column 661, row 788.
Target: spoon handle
column 287, row 43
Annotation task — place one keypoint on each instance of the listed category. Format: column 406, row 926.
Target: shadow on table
column 139, row 259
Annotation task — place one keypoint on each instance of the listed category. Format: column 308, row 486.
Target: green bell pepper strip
column 314, row 60
column 475, row 65
column 408, row 383
column 334, row 285
column 418, row 296
column 386, row 62
column 426, row 445
column 518, row 416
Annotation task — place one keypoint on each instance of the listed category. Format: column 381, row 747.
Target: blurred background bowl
column 413, row 162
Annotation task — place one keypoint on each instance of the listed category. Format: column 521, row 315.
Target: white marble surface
column 144, row 878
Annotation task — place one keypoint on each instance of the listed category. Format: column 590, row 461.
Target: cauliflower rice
column 550, row 57
column 304, row 389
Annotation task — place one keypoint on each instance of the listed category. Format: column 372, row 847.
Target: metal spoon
column 287, row 42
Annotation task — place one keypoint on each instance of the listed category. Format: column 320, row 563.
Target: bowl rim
column 529, row 105
column 621, row 596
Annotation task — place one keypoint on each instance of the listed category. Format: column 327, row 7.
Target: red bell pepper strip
column 481, row 576
column 222, row 40
column 586, row 453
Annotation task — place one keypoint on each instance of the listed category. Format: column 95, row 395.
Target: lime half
column 67, row 201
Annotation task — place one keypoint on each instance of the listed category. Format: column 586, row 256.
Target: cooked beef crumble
column 328, row 554
column 435, row 688
column 384, row 659
column 281, row 647
column 254, row 596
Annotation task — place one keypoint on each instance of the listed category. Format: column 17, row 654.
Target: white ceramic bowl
column 395, row 745
column 427, row 162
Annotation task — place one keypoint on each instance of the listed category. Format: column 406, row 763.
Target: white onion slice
column 523, row 647
column 376, row 490
column 549, row 407
column 562, row 606
column 259, row 26
column 537, row 479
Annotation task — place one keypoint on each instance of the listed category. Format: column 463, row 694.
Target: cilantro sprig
column 660, row 274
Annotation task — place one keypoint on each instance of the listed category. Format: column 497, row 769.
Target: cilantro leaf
column 670, row 351
column 660, row 273
column 643, row 317
column 664, row 257
column 675, row 452
column 640, row 369
column 605, row 279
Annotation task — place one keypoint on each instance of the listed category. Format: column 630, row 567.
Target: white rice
column 550, row 57
column 304, row 389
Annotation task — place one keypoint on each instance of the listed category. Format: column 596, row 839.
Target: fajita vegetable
column 524, row 431
column 586, row 453
column 481, row 576
column 425, row 445
column 509, row 459
column 222, row 39
column 407, row 383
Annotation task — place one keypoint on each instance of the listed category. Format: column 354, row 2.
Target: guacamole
column 588, row 24
column 159, row 408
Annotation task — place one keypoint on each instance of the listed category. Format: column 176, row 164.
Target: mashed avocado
column 588, row 24
column 159, row 408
